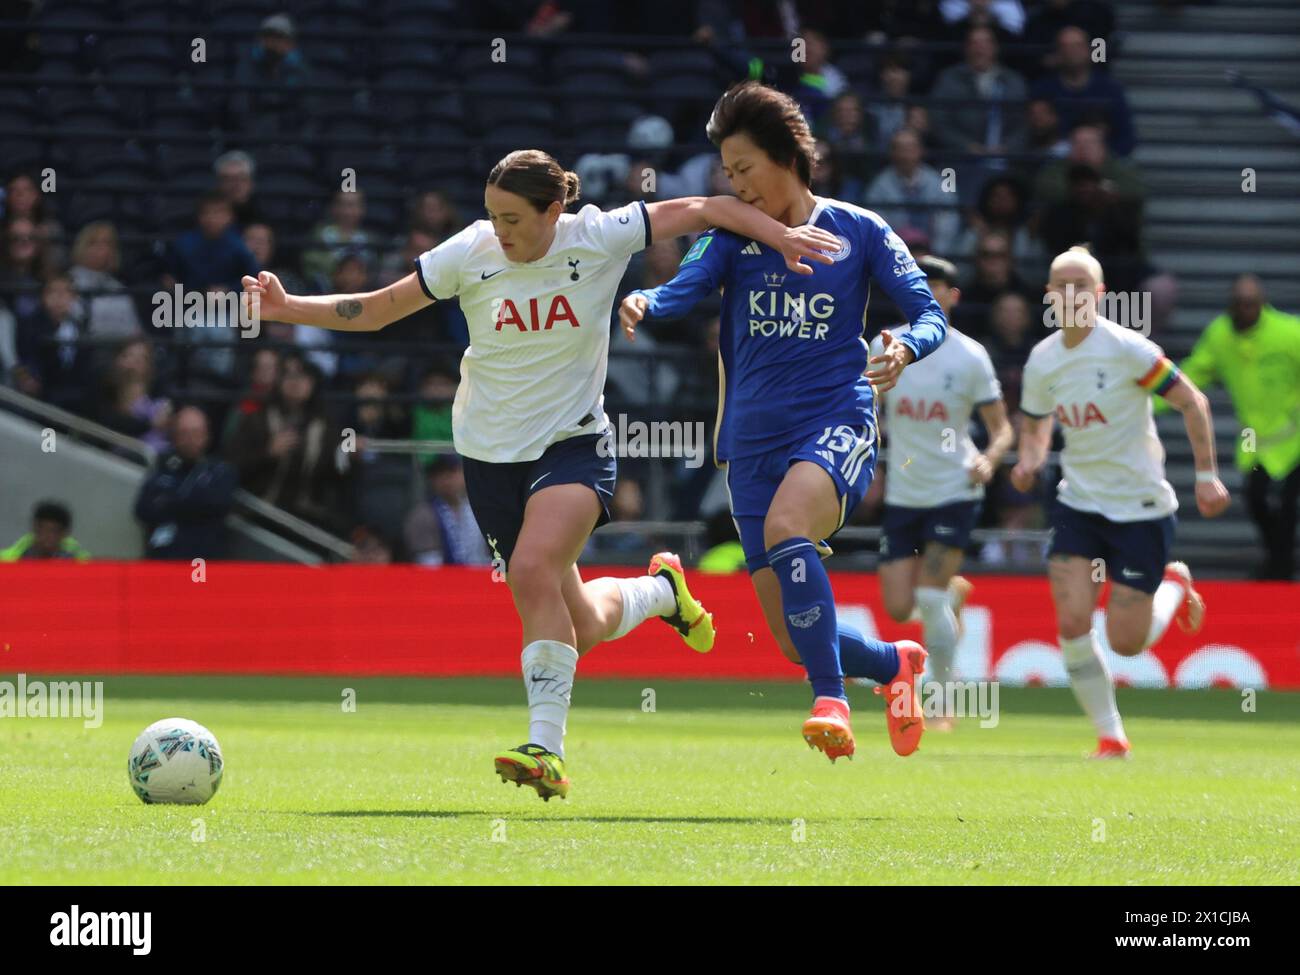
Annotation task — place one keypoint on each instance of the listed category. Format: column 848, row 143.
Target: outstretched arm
column 693, row 214
column 1211, row 496
column 264, row 296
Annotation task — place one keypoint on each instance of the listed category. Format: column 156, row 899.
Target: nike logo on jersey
column 1130, row 574
column 483, row 276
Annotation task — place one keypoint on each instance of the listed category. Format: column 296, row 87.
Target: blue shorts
column 846, row 453
column 907, row 530
column 498, row 493
column 1134, row 553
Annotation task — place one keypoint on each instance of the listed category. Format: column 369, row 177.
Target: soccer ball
column 175, row 760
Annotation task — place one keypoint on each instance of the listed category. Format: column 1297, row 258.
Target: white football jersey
column 928, row 422
column 534, row 372
column 1113, row 463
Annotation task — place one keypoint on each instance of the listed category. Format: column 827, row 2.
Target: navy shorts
column 498, row 493
column 1134, row 552
column 907, row 530
column 847, row 453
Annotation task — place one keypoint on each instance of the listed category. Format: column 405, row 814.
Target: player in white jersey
column 936, row 476
column 1114, row 512
column 537, row 287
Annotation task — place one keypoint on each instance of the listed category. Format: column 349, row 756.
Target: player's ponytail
column 537, row 177
column 572, row 187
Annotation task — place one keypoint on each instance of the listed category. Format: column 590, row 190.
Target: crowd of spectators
column 987, row 131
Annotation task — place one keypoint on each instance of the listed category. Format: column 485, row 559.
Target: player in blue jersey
column 797, row 421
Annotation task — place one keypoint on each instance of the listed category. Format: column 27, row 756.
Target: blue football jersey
column 792, row 345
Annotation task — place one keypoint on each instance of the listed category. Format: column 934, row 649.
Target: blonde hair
column 1080, row 255
column 87, row 233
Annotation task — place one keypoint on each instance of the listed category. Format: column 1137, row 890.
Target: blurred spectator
column 889, row 110
column 845, row 130
column 400, row 261
column 1094, row 17
column 1043, row 138
column 1083, row 93
column 341, row 234
column 627, row 505
column 50, row 537
column 994, row 274
column 235, row 172
column 1002, row 207
column 369, row 546
column 1014, row 327
column 263, row 379
column 260, row 240
column 431, row 418
column 127, row 405
column 285, row 453
column 441, row 530
column 378, row 484
column 724, row 553
column 23, row 200
column 23, row 267
column 985, row 119
column 274, row 73
column 830, row 178
column 819, row 82
column 1004, row 16
column 1253, row 350
column 108, row 310
column 1087, row 147
column 910, row 194
column 1112, row 225
column 184, row 500
column 53, row 364
column 212, row 253
column 433, row 213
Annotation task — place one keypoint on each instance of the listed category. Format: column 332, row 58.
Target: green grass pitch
column 714, row 786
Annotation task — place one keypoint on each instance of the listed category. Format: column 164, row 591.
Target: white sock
column 1168, row 598
column 940, row 627
column 1091, row 681
column 548, row 667
column 643, row 597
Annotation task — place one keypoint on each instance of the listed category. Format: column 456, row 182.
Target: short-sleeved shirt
column 1100, row 392
column 928, row 416
column 534, row 372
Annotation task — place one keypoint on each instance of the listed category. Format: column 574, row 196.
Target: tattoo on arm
column 349, row 308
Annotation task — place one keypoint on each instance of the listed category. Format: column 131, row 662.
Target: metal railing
column 278, row 525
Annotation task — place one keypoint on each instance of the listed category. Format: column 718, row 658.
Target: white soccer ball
column 175, row 760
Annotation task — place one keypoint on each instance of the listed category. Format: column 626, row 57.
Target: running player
column 797, row 424
column 936, row 478
column 537, row 286
column 1114, row 509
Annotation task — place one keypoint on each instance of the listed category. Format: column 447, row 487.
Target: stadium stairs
column 1196, row 135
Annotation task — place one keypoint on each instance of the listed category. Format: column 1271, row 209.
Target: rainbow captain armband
column 1161, row 377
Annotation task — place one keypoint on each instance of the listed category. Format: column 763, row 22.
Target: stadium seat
column 587, row 61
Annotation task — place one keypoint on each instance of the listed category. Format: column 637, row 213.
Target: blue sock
column 809, row 608
column 861, row 657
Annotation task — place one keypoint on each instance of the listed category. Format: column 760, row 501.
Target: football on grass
column 175, row 760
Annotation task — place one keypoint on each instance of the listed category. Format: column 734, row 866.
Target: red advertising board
column 245, row 618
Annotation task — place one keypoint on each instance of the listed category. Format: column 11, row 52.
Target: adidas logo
column 752, row 248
